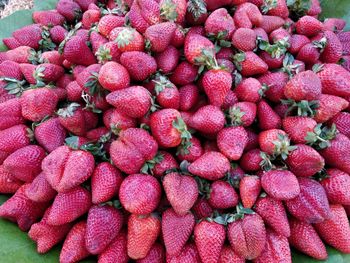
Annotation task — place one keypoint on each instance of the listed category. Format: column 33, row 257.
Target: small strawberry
column 167, row 95
column 202, row 209
column 275, row 142
column 139, row 64
column 28, row 71
column 90, row 17
column 136, row 19
column 298, row 127
column 244, row 39
column 72, row 118
column 127, row 39
column 58, row 34
column 232, row 141
column 249, row 190
column 189, row 96
column 11, row 69
column 222, row 195
column 250, row 160
column 184, row 74
column 333, row 50
column 85, row 4
column 249, row 64
column 250, row 90
column 335, row 80
column 198, row 49
column 110, row 80
column 160, row 35
column 189, row 254
column 48, row 18
column 22, row 54
column 116, row 251
column 77, row 52
column 267, row 117
column 168, row 59
column 10, row 113
column 208, row 119
column 220, row 24
column 242, row 113
column 247, row 15
column 168, row 163
column 29, row 35
column 40, row 190
column 191, row 153
column 329, row 106
column 143, row 231
column 69, row 9
column 8, row 183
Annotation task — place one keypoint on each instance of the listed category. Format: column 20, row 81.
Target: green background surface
column 16, row 247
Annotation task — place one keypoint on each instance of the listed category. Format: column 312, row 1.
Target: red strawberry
column 198, row 49
column 90, row 17
column 335, row 184
column 53, row 57
column 168, row 59
column 108, row 22
column 280, row 184
column 333, row 50
column 209, row 238
column 271, row 23
column 140, row 194
column 202, row 209
column 334, row 24
column 11, row 43
column 105, row 183
column 274, row 214
column 150, row 11
column 25, row 163
column 28, row 71
column 68, row 206
column 250, row 90
column 329, row 106
column 8, row 183
column 247, row 236
column 48, row 18
column 117, row 121
column 229, row 256
column 28, row 35
column 85, row 4
column 210, row 166
column 220, row 24
column 230, row 100
column 137, row 21
column 72, row 118
column 127, row 39
column 305, row 161
column 176, row 230
column 22, row 54
column 189, row 254
column 168, row 163
column 58, row 34
column 139, row 64
column 250, row 160
column 40, row 190
column 167, row 94
column 156, row 254
column 278, row 8
column 268, row 118
column 242, row 113
column 247, row 15
column 110, row 80
column 232, row 141
column 308, row 26
column 143, row 231
column 276, row 249
column 222, row 195
column 298, row 127
column 160, row 35
column 73, row 248
column 20, row 209
column 250, row 64
column 249, row 190
column 11, row 69
column 335, row 80
column 192, row 152
column 10, row 113
column 97, row 41
column 305, row 238
column 341, row 120
column 297, row 42
column 311, row 205
column 208, row 119
column 315, row 8
column 103, row 225
column 77, row 52
column 275, row 142
column 184, row 74
column 69, row 9
column 47, row 236
column 189, row 96
column 38, row 103
column 309, row 54
column 116, row 251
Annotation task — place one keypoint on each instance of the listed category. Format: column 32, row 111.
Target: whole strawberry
column 208, row 119
column 222, row 195
column 160, row 35
column 140, row 65
column 335, row 183
column 111, row 81
column 232, row 142
column 76, row 51
column 10, row 113
column 249, row 190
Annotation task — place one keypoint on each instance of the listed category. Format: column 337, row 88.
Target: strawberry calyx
column 207, row 58
column 162, row 82
column 38, row 123
column 30, row 134
column 264, row 88
column 320, row 44
column 203, row 187
column 276, row 50
column 225, row 219
column 197, row 8
column 289, row 67
column 114, row 203
column 14, row 86
column 147, row 168
column 103, row 54
column 46, row 43
column 298, row 8
column 185, row 135
column 235, row 115
column 268, row 5
column 69, row 110
column 39, row 76
column 282, row 146
column 302, row 108
column 168, row 10
column 238, row 59
column 317, row 68
column 321, row 136
column 93, row 84
column 89, row 104
column 231, row 178
column 266, row 164
column 125, row 37
column 70, row 34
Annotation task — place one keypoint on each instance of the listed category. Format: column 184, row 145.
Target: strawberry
column 268, row 118
column 90, row 17
column 198, row 49
column 72, row 118
column 275, row 142
column 48, row 73
column 250, row 160
column 139, row 64
column 25, row 163
column 69, row 9
column 189, row 96
column 38, row 103
column 271, row 23
column 168, row 59
column 29, row 35
column 8, row 183
column 342, row 121
column 176, row 230
column 11, row 69
column 73, row 248
column 103, row 225
column 40, row 190
column 74, row 91
column 305, row 238
column 210, row 166
column 173, row 10
column 105, row 183
column 53, row 57
column 84, row 4
column 209, row 238
column 111, row 81
column 184, row 74
column 10, row 113
column 328, row 107
column 116, row 251
column 298, row 127
column 280, row 184
column 222, row 195
column 150, row 11
column 230, row 100
column 276, row 249
column 249, row 89
column 155, row 254
column 247, row 15
column 159, row 35
column 303, row 86
column 297, row 42
column 305, row 161
column 11, row 43
column 229, row 256
column 308, row 26
column 191, row 153
column 249, row 190
column 97, row 41
column 208, row 119
column 247, row 236
column 143, row 231
column 58, row 34
column 68, row 206
column 117, row 121
column 315, row 8
column 242, row 113
column 136, row 19
column 334, row 24
column 48, row 18
column 167, row 94
column 250, row 64
column 309, row 54
column 168, row 163
column 20, row 209
column 277, row 8
column 28, row 71
column 232, row 141
column 145, row 197
column 219, row 24
column 77, row 51
column 216, row 83
column 189, row 254
column 127, row 39
column 335, row 80
column 333, row 50
column 22, row 54
column 311, row 205
column 334, row 185
column 47, row 236
column 202, row 209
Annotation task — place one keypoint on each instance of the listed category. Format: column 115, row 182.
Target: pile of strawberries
column 178, row 131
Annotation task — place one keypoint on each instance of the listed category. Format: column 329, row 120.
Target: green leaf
column 333, row 257
column 336, row 8
column 45, row 5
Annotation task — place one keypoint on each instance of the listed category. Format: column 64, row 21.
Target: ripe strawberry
column 229, row 256
column 8, row 183
column 249, row 89
column 278, row 8
column 168, row 163
column 275, row 142
column 139, row 64
column 22, row 54
column 305, row 161
column 52, row 57
column 189, row 96
column 335, row 184
column 73, row 248
column 198, row 49
column 168, row 59
column 298, row 127
column 117, row 121
column 210, row 166
column 38, row 103
column 25, row 163
column 108, row 22
column 247, row 236
column 69, row 9
column 309, row 54
column 28, row 71
column 249, row 190
column 28, row 35
column 127, row 39
column 219, row 24
column 232, row 141
column 311, row 205
column 250, row 160
column 308, row 26
column 328, row 107
column 167, row 94
column 103, row 225
column 11, row 43
column 68, row 206
column 297, row 42
column 72, row 118
column 150, row 11
column 208, row 119
column 271, row 23
column 268, row 118
column 137, row 21
column 116, row 251
column 160, row 35
column 155, row 254
column 209, row 238
column 305, row 238
column 143, row 231
column 133, row 197
column 202, row 209
column 20, row 209
column 189, row 254
column 280, row 184
column 335, row 80
column 250, row 64
column 48, row 17
column 97, row 41
column 110, row 80
column 10, row 113
column 333, row 50
column 230, row 100
column 334, row 24
column 58, row 34
column 222, row 195
column 40, row 190
column 85, row 4
column 303, row 86
column 244, row 39
column 47, row 236
column 276, row 249
column 247, row 15
column 242, row 113
column 342, row 121
column 90, row 17
column 184, row 74
column 77, row 51
column 192, row 152
column 11, row 69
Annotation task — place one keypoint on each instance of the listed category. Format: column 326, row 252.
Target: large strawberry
column 335, row 80
column 139, row 64
column 219, row 24
column 132, row 149
column 232, row 141
column 77, row 51
column 29, row 35
column 127, row 39
column 140, row 194
column 208, row 119
column 116, row 251
column 113, row 76
column 160, row 35
column 222, row 195
column 198, row 49
column 335, row 183
column 249, row 89
column 247, row 15
column 181, row 191
column 249, row 190
column 298, row 127
column 209, row 238
column 10, row 113
column 329, row 106
column 250, row 64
